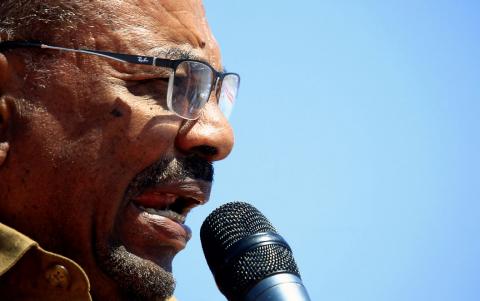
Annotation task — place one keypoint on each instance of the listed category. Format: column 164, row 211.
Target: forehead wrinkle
column 175, row 20
column 168, row 29
column 191, row 27
column 182, row 14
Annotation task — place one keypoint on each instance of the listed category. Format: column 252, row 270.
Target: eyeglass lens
column 191, row 89
column 228, row 94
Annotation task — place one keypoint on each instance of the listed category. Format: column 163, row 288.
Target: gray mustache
column 172, row 170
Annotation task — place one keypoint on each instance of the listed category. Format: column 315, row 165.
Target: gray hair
column 45, row 20
column 31, row 19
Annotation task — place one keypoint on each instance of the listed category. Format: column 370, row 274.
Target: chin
column 135, row 277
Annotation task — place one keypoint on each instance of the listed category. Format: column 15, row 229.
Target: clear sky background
column 358, row 135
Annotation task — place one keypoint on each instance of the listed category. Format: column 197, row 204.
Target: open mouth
column 176, row 208
column 172, row 201
column 153, row 221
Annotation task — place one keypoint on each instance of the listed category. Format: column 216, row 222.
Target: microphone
column 249, row 260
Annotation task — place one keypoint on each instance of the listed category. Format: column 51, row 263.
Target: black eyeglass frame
column 217, row 77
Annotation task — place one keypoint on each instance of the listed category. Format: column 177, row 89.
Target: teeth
column 165, row 213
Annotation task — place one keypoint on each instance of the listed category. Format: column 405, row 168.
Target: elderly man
column 111, row 114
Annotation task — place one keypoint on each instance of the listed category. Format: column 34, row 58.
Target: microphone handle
column 279, row 287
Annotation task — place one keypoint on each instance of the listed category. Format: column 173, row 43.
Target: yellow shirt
column 28, row 272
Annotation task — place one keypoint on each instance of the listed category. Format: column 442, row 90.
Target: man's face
column 98, row 169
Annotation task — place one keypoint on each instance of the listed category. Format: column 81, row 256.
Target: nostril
column 204, row 151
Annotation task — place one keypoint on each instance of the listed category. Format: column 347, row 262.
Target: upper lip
column 183, row 195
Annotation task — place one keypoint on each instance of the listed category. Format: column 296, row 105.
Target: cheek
column 97, row 131
column 139, row 134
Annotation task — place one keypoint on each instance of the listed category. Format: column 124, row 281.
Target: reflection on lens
column 228, row 93
column 191, row 88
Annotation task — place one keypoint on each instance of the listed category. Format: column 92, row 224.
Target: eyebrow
column 173, row 53
column 176, row 53
column 180, row 54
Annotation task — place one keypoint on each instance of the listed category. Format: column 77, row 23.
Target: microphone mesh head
column 226, row 226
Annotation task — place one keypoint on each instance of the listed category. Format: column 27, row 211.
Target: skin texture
column 76, row 131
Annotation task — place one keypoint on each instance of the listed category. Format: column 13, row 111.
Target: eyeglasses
column 190, row 83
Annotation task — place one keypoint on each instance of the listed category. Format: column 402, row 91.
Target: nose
column 210, row 136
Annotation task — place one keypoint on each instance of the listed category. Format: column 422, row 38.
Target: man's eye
column 152, row 81
column 152, row 87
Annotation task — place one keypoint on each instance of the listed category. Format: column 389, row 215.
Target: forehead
column 149, row 25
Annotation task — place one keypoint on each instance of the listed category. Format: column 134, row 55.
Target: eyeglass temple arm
column 128, row 58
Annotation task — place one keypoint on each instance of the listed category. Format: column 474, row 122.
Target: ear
column 4, row 111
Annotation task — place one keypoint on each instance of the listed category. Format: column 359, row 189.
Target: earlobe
column 4, row 119
column 4, row 112
column 3, row 71
column 4, row 146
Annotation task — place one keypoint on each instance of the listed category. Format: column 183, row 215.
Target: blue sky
column 358, row 135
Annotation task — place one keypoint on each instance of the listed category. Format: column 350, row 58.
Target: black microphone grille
column 242, row 247
column 233, row 221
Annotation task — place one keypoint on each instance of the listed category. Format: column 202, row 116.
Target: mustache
column 171, row 170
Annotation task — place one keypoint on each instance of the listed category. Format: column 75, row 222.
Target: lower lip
column 158, row 230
